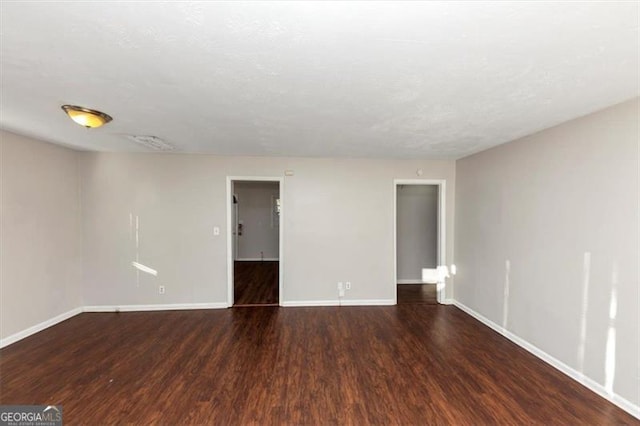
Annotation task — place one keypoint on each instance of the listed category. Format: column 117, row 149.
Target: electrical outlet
column 161, row 289
column 216, row 230
column 348, row 285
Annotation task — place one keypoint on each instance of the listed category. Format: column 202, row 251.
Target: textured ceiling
column 359, row 79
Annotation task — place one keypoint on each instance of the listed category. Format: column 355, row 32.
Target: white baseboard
column 301, row 303
column 38, row 327
column 368, row 302
column 416, row 281
column 448, row 302
column 257, row 259
column 589, row 383
column 338, row 302
column 143, row 308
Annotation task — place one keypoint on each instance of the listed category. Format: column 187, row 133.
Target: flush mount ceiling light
column 86, row 117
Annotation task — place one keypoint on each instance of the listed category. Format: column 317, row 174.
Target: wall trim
column 144, row 308
column 38, row 327
column 257, row 259
column 301, row 303
column 587, row 382
column 338, row 302
column 368, row 302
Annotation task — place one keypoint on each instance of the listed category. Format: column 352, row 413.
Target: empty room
column 318, row 213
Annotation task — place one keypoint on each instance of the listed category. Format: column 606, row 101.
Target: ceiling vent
column 152, row 142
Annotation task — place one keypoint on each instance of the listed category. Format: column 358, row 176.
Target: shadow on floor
column 424, row 294
column 255, row 283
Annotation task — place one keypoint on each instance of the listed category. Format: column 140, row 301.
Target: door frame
column 234, row 227
column 230, row 260
column 442, row 226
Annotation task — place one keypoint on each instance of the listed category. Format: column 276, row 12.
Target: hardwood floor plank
column 256, row 283
column 406, row 364
column 417, row 293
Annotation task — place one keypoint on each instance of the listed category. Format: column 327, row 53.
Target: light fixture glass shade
column 86, row 117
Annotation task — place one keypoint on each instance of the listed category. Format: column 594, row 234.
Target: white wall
column 417, row 217
column 541, row 203
column 260, row 223
column 338, row 225
column 40, row 232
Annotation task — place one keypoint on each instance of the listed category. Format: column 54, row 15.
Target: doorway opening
column 419, row 241
column 254, row 261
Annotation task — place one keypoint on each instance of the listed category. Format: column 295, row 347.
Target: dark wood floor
column 408, row 364
column 255, row 283
column 417, row 293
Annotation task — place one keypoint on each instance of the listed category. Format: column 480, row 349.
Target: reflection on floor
column 417, row 293
column 255, row 283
